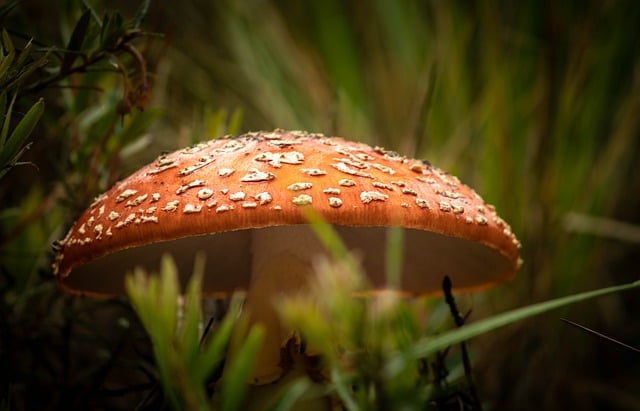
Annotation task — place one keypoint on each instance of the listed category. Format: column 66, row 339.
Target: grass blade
column 432, row 344
column 393, row 261
column 236, row 378
column 342, row 388
column 289, row 398
column 606, row 337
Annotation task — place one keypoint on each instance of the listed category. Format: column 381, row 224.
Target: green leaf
column 14, row 145
column 88, row 6
column 8, row 58
column 141, row 14
column 6, row 123
column 215, row 349
column 3, row 116
column 326, row 234
column 155, row 301
column 183, row 364
column 112, row 30
column 16, row 163
column 7, row 43
column 189, row 331
column 432, row 344
column 236, row 376
column 343, row 388
column 74, row 46
column 26, row 51
column 27, row 71
column 292, row 394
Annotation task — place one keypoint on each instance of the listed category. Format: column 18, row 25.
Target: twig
column 459, row 320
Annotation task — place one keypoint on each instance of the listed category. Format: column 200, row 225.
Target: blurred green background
column 536, row 105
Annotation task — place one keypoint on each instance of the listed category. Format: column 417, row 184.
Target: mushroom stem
column 281, row 267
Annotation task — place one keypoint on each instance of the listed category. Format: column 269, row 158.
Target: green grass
column 371, row 347
column 534, row 106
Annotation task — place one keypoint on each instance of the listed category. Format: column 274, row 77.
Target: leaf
column 6, row 41
column 154, row 299
column 6, row 120
column 3, row 115
column 215, row 349
column 343, row 388
column 236, row 377
column 26, row 51
column 189, row 330
column 7, row 59
column 16, row 163
column 15, row 143
column 291, row 395
column 27, row 71
column 183, row 364
column 75, row 42
column 88, row 6
column 327, row 235
column 141, row 14
column 112, row 30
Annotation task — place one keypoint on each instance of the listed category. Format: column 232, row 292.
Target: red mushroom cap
column 210, row 196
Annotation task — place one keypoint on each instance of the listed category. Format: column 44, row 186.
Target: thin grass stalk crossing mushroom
column 242, row 201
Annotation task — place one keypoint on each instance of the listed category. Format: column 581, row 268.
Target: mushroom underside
column 427, row 258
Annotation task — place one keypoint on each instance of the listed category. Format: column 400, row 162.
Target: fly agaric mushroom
column 241, row 200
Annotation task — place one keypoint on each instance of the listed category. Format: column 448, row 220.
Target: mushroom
column 242, row 201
